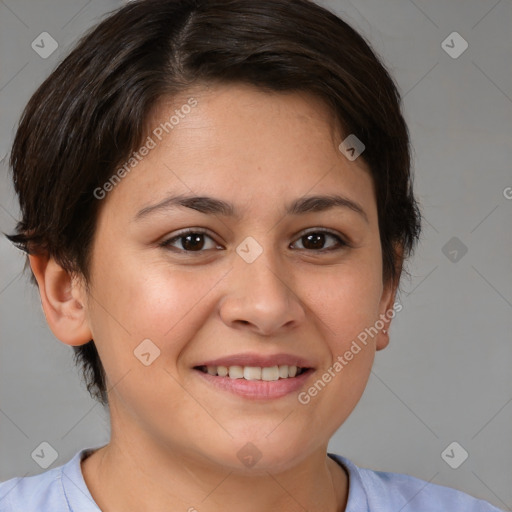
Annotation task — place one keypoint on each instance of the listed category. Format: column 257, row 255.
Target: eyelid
column 322, row 230
column 184, row 232
column 342, row 240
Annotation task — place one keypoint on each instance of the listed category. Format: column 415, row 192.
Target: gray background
column 446, row 375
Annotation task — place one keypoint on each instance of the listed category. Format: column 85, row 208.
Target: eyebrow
column 211, row 205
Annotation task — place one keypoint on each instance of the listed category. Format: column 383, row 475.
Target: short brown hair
column 90, row 114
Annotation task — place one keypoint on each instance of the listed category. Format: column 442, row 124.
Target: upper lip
column 248, row 359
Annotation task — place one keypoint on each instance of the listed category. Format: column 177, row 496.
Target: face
column 264, row 285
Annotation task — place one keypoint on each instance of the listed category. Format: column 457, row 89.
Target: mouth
column 266, row 382
column 263, row 373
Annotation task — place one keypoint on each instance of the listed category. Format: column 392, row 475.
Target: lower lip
column 257, row 389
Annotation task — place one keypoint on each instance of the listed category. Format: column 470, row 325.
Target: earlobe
column 387, row 312
column 63, row 300
column 382, row 340
column 387, row 305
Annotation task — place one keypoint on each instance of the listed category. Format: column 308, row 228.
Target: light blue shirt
column 63, row 489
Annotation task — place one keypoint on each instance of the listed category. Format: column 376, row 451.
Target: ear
column 386, row 309
column 386, row 313
column 63, row 299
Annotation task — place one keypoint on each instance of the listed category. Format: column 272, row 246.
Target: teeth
column 253, row 372
column 222, row 371
column 271, row 373
column 236, row 372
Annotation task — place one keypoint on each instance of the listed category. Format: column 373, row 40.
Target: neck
column 124, row 475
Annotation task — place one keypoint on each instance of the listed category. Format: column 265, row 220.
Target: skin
column 174, row 438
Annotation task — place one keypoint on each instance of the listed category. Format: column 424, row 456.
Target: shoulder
column 56, row 490
column 387, row 491
column 31, row 493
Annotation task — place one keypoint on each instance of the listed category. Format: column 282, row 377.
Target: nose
column 261, row 297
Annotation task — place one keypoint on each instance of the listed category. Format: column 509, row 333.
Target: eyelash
column 166, row 244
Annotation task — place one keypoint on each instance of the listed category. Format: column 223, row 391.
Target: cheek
column 344, row 305
column 169, row 303
column 131, row 306
column 151, row 300
column 343, row 301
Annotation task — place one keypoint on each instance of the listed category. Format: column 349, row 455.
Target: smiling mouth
column 267, row 373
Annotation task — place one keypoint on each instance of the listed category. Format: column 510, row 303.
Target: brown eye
column 194, row 241
column 315, row 241
column 189, row 241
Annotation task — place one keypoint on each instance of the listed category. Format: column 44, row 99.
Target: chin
column 260, row 456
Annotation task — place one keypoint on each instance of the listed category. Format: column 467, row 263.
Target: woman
column 217, row 206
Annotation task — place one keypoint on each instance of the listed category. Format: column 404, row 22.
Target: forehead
column 249, row 146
